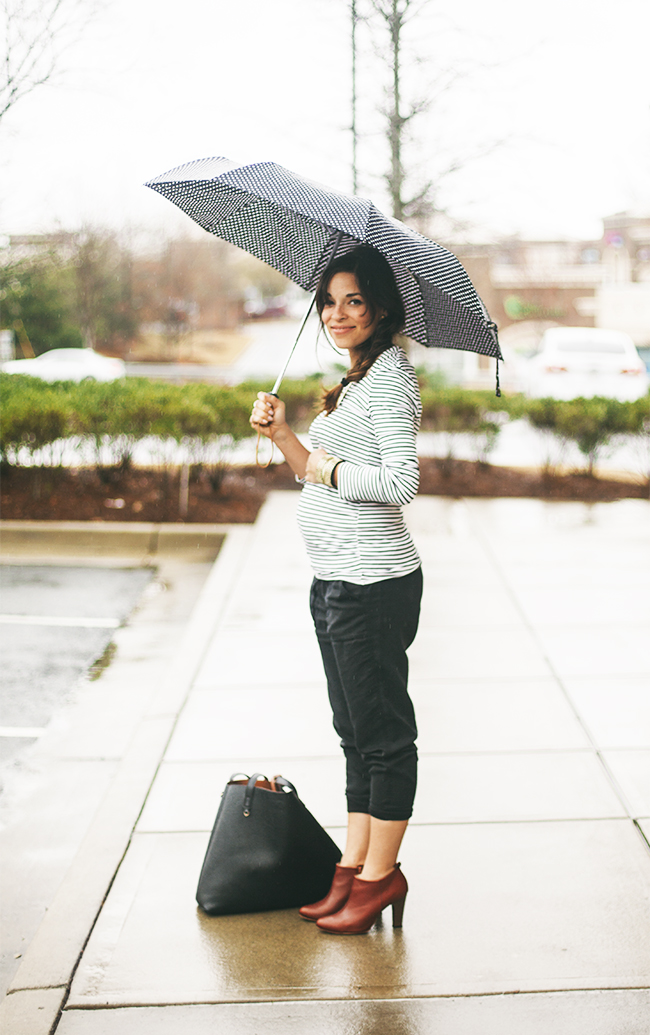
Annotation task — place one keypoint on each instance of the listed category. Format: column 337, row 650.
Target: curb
column 53, row 541
column 40, row 986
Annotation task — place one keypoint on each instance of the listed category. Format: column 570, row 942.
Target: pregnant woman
column 365, row 597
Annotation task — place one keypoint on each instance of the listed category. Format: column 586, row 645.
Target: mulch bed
column 60, row 494
column 467, row 478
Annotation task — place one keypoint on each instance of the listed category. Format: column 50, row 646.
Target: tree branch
column 36, row 33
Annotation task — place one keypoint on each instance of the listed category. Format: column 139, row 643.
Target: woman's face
column 346, row 313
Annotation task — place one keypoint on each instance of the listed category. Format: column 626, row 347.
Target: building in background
column 529, row 286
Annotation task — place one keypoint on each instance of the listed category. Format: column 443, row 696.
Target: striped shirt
column 356, row 532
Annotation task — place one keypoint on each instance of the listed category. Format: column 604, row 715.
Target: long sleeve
column 394, row 416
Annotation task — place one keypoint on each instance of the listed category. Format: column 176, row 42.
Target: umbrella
column 296, row 226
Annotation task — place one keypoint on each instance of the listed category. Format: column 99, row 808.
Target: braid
column 381, row 340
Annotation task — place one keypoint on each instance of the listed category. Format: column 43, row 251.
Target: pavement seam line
column 609, row 776
column 35, row 988
column 594, row 990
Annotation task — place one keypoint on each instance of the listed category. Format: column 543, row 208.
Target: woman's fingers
column 260, row 417
column 267, row 411
column 263, row 410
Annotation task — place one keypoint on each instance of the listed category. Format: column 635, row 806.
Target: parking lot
column 55, row 624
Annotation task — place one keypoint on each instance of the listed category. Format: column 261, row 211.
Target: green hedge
column 115, row 416
column 589, row 423
column 31, row 418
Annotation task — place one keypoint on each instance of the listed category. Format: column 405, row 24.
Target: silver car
column 68, row 365
column 586, row 361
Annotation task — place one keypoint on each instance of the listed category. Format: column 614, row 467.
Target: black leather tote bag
column 266, row 850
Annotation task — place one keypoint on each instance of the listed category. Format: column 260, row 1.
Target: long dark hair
column 376, row 282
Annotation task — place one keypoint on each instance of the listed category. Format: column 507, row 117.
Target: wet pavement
column 55, row 623
column 527, row 859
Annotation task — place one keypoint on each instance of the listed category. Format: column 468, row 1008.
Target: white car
column 586, row 361
column 68, row 365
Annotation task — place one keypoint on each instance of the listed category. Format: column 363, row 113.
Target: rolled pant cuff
column 357, row 805
column 390, row 817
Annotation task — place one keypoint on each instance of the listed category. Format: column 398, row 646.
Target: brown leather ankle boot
column 337, row 895
column 365, row 902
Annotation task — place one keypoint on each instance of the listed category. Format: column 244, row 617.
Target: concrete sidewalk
column 527, row 859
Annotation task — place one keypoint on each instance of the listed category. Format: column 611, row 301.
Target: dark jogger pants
column 363, row 633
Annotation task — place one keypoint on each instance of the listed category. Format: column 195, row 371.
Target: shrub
column 542, row 414
column 206, row 422
column 590, row 423
column 114, row 417
column 514, row 405
column 639, row 427
column 454, row 412
column 451, row 410
column 30, row 417
column 99, row 415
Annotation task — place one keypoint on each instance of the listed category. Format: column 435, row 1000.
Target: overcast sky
column 154, row 83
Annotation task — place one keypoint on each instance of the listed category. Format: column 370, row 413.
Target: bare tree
column 35, row 33
column 354, row 19
column 395, row 19
column 103, row 294
column 395, row 15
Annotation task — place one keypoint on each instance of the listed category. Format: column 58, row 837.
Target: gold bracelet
column 328, row 467
column 325, row 470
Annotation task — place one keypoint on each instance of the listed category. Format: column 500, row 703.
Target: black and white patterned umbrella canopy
column 294, row 225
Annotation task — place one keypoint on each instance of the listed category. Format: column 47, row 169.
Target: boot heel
column 365, row 902
column 398, row 912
